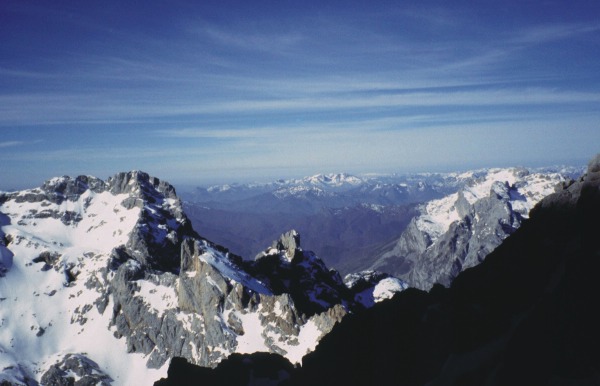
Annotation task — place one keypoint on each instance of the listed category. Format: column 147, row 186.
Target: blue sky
column 198, row 92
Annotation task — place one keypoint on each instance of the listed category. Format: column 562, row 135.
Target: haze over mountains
column 84, row 260
column 109, row 276
column 354, row 222
column 525, row 316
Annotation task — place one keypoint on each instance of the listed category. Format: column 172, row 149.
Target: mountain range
column 103, row 282
column 525, row 316
column 106, row 282
column 355, row 223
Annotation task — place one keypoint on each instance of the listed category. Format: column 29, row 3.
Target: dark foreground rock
column 525, row 316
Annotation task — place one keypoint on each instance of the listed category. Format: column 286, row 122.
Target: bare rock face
column 288, row 243
column 467, row 242
column 459, row 231
column 156, row 240
column 219, row 307
column 134, row 181
column 75, row 370
column 286, row 268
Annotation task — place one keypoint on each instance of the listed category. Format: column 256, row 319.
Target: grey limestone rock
column 170, row 293
column 57, row 190
column 288, row 243
column 483, row 225
column 286, row 268
column 16, row 375
column 567, row 197
column 75, row 370
column 213, row 297
column 132, row 182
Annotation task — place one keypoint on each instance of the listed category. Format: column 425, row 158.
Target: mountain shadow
column 525, row 316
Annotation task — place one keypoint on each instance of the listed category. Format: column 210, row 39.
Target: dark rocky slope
column 525, row 316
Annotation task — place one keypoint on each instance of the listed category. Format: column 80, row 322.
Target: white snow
column 159, row 298
column 387, row 288
column 220, row 262
column 384, row 289
column 252, row 340
column 41, row 319
column 437, row 215
column 102, row 219
column 308, row 338
column 481, row 189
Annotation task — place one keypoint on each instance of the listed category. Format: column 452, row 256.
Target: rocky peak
column 57, row 190
column 156, row 239
column 140, row 183
column 501, row 190
column 286, row 268
column 72, row 187
column 458, row 231
column 287, row 245
column 76, row 369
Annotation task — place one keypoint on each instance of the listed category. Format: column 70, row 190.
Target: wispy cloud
column 10, row 143
column 218, row 87
column 215, row 133
column 23, row 109
column 272, row 42
column 552, row 32
column 7, row 144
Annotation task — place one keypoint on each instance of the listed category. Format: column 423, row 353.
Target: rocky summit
column 104, row 282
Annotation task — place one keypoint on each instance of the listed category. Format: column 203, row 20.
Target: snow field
column 42, row 316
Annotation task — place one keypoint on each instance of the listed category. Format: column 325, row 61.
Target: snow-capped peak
column 60, row 240
column 333, row 180
column 84, row 260
column 525, row 190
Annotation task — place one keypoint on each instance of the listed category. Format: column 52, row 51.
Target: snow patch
column 159, row 298
column 438, row 215
column 252, row 340
column 387, row 288
column 228, row 269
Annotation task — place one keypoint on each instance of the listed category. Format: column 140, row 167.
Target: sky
column 198, row 92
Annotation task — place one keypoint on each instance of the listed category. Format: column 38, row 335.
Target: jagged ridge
column 458, row 231
column 524, row 316
column 117, row 261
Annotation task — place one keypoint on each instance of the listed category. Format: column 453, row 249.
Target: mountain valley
column 124, row 262
column 524, row 316
column 84, row 260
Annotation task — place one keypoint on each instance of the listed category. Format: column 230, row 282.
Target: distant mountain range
column 355, row 222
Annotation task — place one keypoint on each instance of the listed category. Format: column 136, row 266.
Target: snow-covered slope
column 61, row 237
column 457, row 231
column 105, row 281
column 525, row 189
